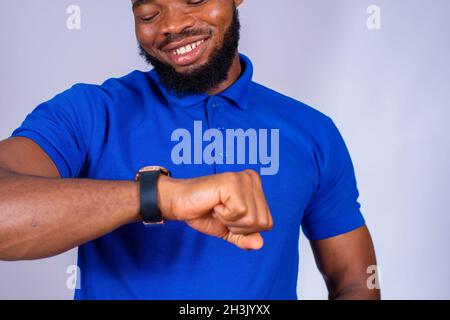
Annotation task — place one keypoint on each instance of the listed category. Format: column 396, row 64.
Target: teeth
column 188, row 48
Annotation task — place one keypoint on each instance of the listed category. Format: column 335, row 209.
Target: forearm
column 41, row 217
column 355, row 293
column 344, row 261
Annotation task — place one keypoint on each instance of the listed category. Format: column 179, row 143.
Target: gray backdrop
column 387, row 89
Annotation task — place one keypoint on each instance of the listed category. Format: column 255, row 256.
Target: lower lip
column 189, row 57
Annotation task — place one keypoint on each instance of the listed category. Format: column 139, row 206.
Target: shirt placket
column 213, row 110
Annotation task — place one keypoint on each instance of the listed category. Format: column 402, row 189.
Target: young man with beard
column 89, row 166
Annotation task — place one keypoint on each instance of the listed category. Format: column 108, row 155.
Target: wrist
column 165, row 187
column 133, row 215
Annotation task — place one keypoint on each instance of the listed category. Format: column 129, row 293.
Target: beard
column 205, row 77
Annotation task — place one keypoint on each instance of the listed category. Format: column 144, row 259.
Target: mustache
column 173, row 37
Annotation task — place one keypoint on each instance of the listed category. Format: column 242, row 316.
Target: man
column 68, row 175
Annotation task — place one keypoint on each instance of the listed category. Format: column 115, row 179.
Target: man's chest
column 204, row 141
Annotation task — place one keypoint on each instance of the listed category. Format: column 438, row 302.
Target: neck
column 233, row 75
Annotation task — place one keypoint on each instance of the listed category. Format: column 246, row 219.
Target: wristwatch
column 148, row 192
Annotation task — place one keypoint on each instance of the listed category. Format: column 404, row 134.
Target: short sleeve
column 334, row 208
column 61, row 127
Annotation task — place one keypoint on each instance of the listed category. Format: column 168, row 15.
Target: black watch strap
column 148, row 182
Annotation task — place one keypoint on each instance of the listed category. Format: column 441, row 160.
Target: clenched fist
column 231, row 206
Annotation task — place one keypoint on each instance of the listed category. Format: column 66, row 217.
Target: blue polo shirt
column 109, row 131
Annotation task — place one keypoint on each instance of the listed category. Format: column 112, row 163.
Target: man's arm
column 42, row 215
column 343, row 261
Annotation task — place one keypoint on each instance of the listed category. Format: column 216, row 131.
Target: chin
column 189, row 68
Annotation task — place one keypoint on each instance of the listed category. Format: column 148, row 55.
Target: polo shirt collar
column 237, row 93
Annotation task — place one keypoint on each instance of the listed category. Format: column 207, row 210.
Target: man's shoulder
column 132, row 78
column 116, row 85
column 289, row 107
column 85, row 97
column 128, row 82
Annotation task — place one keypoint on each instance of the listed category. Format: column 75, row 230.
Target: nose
column 176, row 20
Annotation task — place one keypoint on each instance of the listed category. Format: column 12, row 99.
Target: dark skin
column 155, row 19
column 230, row 206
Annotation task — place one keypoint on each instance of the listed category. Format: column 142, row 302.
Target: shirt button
column 216, row 103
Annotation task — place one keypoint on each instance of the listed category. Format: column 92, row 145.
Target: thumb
column 252, row 241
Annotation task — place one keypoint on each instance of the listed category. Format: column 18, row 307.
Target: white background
column 388, row 91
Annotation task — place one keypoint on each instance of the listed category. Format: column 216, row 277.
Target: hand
column 231, row 206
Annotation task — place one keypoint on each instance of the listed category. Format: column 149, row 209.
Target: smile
column 186, row 54
column 188, row 48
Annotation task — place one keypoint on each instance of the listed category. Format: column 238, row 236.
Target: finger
column 213, row 227
column 250, row 219
column 263, row 211
column 209, row 225
column 243, row 230
column 222, row 213
column 233, row 208
column 252, row 241
column 240, row 226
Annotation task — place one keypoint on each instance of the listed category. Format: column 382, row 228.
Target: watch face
column 153, row 168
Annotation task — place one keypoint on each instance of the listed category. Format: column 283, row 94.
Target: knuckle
column 250, row 172
column 269, row 221
column 239, row 214
column 241, row 210
column 251, row 221
column 232, row 177
column 245, row 179
column 226, row 175
column 253, row 174
column 263, row 223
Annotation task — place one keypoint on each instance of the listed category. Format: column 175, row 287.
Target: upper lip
column 178, row 44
